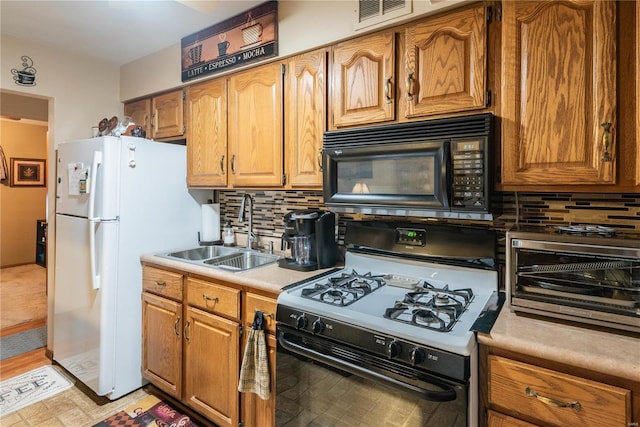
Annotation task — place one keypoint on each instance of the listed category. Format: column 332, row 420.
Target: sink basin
column 242, row 261
column 203, row 252
column 223, row 257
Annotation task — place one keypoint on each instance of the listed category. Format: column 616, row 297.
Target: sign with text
column 245, row 38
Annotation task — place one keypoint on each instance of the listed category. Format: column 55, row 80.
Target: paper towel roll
column 210, row 222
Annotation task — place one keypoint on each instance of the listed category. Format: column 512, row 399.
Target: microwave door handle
column 448, row 394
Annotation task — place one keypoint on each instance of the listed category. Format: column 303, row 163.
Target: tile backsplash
column 620, row 211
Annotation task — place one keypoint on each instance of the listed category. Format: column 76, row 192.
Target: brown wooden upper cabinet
column 559, row 93
column 255, row 125
column 206, row 112
column 445, row 67
column 305, row 118
column 140, row 113
column 363, row 80
column 161, row 116
column 442, row 68
column 167, row 115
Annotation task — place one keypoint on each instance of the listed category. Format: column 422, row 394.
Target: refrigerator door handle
column 93, row 220
column 93, row 255
column 97, row 161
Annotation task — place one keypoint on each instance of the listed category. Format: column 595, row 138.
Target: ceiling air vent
column 371, row 12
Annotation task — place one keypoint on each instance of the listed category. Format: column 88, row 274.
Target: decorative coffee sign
column 245, row 38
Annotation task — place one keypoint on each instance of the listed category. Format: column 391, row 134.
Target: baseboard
column 23, row 327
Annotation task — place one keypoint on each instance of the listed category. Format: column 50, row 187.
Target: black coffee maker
column 310, row 234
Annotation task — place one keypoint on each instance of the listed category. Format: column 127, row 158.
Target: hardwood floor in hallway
column 23, row 296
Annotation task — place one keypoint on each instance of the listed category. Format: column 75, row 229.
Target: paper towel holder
column 208, row 243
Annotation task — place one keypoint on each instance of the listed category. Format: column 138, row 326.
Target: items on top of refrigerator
column 118, row 127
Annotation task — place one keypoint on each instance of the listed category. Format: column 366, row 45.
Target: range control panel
column 469, row 174
column 411, row 236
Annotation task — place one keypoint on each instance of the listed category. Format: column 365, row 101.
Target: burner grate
column 430, row 307
column 344, row 289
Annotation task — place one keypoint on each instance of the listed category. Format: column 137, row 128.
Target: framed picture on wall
column 27, row 172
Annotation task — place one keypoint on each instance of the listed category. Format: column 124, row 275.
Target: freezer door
column 89, row 178
column 83, row 320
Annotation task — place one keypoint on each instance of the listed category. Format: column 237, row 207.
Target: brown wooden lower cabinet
column 524, row 394
column 255, row 411
column 193, row 345
column 496, row 419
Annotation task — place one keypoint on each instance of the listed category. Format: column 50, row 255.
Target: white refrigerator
column 117, row 198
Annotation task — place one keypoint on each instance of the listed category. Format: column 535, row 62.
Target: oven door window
column 310, row 392
column 410, row 175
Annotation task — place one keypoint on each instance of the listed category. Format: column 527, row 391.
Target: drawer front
column 162, row 282
column 264, row 304
column 213, row 298
column 540, row 393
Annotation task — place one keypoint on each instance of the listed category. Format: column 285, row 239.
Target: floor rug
column 22, row 342
column 147, row 412
column 27, row 389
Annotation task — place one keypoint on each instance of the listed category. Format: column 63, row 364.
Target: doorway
column 24, row 131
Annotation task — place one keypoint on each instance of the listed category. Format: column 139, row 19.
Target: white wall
column 83, row 90
column 302, row 25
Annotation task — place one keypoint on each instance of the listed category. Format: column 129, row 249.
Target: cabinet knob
column 206, row 298
column 176, row 326
column 553, row 402
column 233, row 167
column 410, row 86
column 222, row 164
column 606, row 141
column 387, row 90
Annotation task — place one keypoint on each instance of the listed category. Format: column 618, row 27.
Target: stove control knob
column 393, row 349
column 318, row 326
column 416, row 356
column 301, row 321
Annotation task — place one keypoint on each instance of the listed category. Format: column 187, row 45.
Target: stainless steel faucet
column 250, row 236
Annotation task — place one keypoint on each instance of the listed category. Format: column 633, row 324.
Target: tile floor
column 70, row 408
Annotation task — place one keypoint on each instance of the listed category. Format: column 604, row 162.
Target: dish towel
column 4, row 170
column 254, row 372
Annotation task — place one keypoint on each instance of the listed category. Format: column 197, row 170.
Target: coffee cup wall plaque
column 26, row 76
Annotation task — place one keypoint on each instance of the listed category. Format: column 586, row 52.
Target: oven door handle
column 446, row 395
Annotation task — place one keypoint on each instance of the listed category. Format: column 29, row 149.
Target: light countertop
column 268, row 278
column 609, row 353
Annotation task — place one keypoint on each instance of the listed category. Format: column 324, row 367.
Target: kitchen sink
column 227, row 258
column 242, row 261
column 203, row 252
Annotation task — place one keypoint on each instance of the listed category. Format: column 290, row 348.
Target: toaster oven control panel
column 469, row 174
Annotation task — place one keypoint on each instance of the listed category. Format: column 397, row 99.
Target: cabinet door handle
column 387, row 90
column 606, row 141
column 176, row 327
column 553, row 402
column 320, row 159
column 186, row 331
column 222, row 164
column 206, row 298
column 233, row 166
column 410, row 86
column 161, row 284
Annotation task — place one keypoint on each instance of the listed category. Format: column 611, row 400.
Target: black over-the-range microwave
column 436, row 168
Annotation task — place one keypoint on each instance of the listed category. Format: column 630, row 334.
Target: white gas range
column 400, row 312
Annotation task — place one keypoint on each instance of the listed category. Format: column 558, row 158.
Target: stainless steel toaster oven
column 588, row 278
